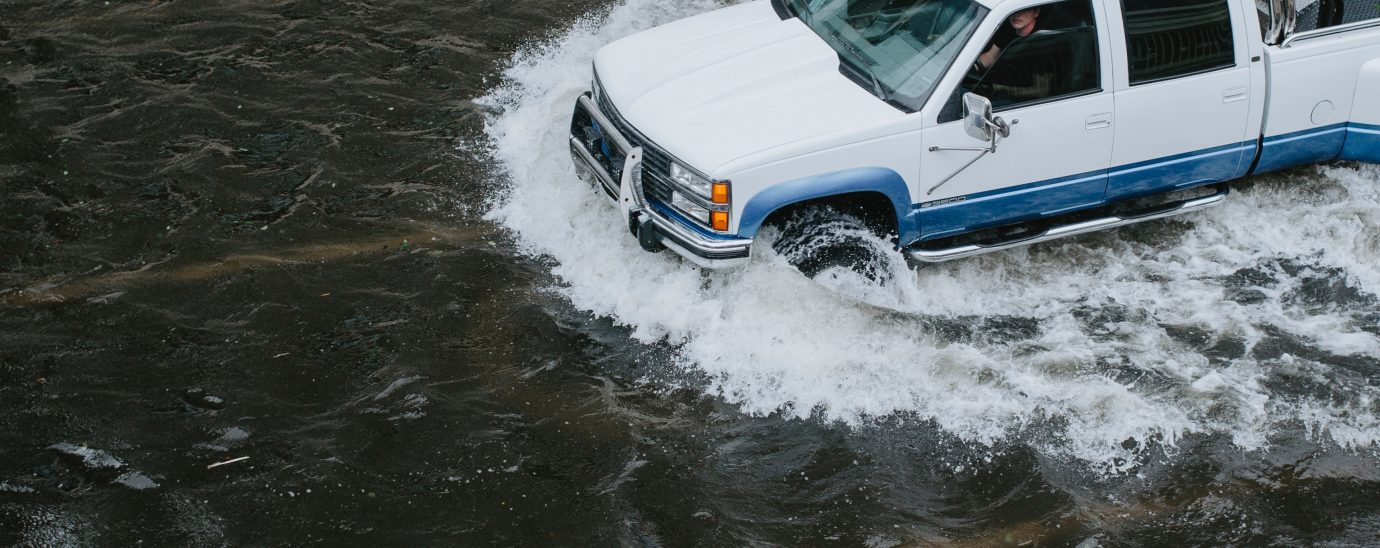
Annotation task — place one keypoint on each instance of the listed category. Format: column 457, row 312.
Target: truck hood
column 733, row 82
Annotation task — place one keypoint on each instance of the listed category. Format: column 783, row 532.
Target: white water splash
column 1111, row 348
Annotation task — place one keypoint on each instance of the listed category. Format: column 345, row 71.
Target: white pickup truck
column 1089, row 114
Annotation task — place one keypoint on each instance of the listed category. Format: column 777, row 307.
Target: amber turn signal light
column 720, row 192
column 719, row 220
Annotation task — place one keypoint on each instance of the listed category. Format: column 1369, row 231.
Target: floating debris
column 223, row 463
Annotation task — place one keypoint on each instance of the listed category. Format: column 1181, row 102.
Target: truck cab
column 962, row 127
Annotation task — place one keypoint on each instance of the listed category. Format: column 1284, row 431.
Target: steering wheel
column 974, row 76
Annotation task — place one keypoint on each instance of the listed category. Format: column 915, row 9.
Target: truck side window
column 1044, row 65
column 1172, row 38
column 1056, row 58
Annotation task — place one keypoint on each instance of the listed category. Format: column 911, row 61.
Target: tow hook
column 645, row 230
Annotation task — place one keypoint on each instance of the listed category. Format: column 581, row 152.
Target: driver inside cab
column 1035, row 85
column 1022, row 23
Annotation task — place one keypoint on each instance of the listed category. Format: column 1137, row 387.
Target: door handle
column 1235, row 95
column 1098, row 121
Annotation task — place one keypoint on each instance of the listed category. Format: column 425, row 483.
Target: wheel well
column 874, row 208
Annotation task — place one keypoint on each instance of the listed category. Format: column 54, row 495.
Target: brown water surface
column 243, row 229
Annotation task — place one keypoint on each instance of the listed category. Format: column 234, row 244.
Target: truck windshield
column 896, row 49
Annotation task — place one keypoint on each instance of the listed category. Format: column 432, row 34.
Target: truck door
column 1053, row 86
column 1183, row 94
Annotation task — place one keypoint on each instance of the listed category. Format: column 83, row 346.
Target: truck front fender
column 880, row 180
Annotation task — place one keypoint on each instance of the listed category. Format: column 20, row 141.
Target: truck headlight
column 689, row 207
column 688, row 179
column 708, row 201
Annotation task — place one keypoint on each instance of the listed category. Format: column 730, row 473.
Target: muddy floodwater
column 320, row 272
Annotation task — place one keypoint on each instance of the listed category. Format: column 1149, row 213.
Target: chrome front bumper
column 650, row 223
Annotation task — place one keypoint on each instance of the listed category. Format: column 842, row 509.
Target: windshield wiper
column 863, row 65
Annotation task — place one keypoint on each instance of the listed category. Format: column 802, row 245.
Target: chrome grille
column 656, row 164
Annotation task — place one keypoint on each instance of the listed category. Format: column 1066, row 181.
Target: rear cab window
column 1167, row 39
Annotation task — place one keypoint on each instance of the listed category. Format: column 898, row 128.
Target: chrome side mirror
column 977, row 110
column 979, row 122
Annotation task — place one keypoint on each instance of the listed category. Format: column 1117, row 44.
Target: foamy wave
column 1148, row 334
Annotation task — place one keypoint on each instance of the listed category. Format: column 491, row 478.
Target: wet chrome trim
column 965, row 251
column 697, row 198
column 632, row 180
column 1275, row 34
column 605, row 125
column 708, row 248
column 585, row 163
column 1291, row 20
column 1329, row 31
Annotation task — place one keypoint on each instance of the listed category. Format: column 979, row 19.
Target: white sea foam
column 1103, row 363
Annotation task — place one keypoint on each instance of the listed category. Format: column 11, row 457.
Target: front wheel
column 819, row 238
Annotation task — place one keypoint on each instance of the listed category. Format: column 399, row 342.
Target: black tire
column 815, row 239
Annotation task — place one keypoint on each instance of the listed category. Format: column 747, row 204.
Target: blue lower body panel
column 1362, row 143
column 1084, row 191
column 1301, row 147
column 1179, row 171
column 1009, row 205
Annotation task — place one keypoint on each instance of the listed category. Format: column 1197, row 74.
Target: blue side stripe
column 1303, row 134
column 1180, row 158
column 1362, row 143
column 1168, row 160
column 1347, row 140
column 1008, row 205
column 1022, row 189
column 1319, row 144
column 1204, row 166
column 1081, row 177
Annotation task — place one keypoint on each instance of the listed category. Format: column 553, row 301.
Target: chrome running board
column 1064, row 231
